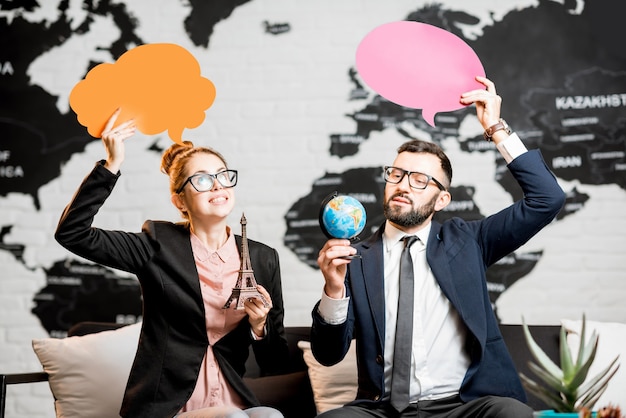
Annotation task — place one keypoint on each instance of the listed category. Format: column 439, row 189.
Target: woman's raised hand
column 113, row 139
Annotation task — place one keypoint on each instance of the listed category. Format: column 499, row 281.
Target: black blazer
column 458, row 253
column 173, row 337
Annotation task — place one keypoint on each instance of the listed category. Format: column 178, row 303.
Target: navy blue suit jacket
column 458, row 253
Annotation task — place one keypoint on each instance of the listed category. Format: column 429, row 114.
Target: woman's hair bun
column 170, row 155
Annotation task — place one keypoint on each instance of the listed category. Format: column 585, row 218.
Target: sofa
column 300, row 393
column 75, row 378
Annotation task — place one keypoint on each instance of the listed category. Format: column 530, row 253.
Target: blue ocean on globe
column 343, row 217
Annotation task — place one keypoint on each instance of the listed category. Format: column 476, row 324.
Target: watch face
column 507, row 129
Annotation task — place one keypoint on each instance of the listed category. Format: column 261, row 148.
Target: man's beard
column 415, row 216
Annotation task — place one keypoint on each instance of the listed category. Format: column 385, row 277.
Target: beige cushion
column 88, row 374
column 332, row 386
column 611, row 343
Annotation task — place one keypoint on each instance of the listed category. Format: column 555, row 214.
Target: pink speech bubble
column 419, row 66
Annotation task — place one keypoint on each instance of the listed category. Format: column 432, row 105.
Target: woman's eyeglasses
column 204, row 182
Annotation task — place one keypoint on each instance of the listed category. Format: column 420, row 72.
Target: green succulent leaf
column 590, row 403
column 595, row 387
column 583, row 369
column 549, row 397
column 539, row 355
column 568, row 388
column 567, row 364
column 581, row 343
column 553, row 382
column 589, row 349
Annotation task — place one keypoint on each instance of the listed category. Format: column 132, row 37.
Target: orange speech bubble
column 157, row 85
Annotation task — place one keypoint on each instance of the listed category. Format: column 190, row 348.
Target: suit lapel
column 438, row 255
column 371, row 265
column 179, row 248
column 437, row 260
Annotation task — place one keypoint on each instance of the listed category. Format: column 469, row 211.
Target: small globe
column 342, row 216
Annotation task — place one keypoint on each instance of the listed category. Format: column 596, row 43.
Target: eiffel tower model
column 246, row 287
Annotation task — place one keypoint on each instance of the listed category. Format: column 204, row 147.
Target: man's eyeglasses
column 203, row 182
column 417, row 180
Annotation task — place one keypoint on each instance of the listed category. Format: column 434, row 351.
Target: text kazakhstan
column 590, row 102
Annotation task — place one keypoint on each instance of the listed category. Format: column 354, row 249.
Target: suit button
column 380, row 359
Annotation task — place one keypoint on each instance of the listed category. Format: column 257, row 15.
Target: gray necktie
column 401, row 374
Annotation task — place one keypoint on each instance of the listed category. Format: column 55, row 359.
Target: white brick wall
column 278, row 99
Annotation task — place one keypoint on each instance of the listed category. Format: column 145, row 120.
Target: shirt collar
column 391, row 235
column 225, row 252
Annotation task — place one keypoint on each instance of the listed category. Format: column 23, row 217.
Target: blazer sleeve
column 270, row 352
column 117, row 249
column 324, row 338
column 504, row 232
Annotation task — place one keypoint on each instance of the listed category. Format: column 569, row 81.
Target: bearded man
column 439, row 352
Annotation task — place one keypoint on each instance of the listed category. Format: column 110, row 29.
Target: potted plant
column 564, row 388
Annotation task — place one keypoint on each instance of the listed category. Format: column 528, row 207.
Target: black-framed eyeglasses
column 204, row 182
column 417, row 180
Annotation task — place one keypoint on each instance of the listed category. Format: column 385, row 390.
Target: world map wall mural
column 573, row 111
column 555, row 63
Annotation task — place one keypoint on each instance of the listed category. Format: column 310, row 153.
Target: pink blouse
column 218, row 271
